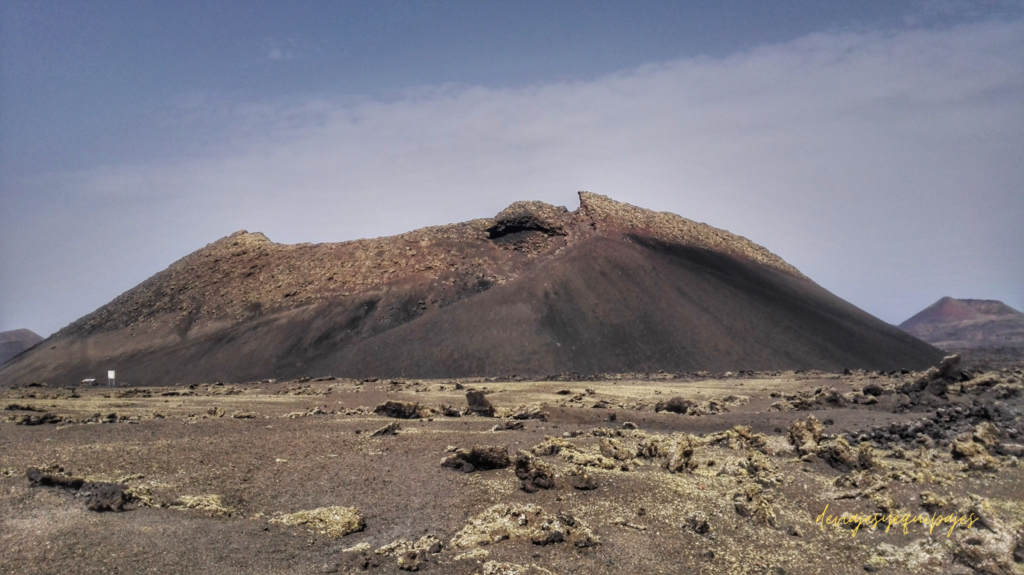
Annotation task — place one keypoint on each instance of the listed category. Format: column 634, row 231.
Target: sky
column 878, row 146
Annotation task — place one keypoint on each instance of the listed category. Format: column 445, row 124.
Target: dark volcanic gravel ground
column 644, row 517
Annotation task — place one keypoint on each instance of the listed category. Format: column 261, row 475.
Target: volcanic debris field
column 629, row 473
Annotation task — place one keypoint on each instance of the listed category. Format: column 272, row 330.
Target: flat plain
column 633, row 473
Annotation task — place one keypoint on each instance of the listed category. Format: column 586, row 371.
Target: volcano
column 968, row 323
column 538, row 289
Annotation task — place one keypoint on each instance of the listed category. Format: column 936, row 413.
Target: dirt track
column 739, row 502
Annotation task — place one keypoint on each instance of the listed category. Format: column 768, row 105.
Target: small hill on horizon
column 952, row 323
column 535, row 290
column 16, row 341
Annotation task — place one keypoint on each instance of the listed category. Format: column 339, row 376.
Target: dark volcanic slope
column 963, row 323
column 536, row 290
column 16, row 341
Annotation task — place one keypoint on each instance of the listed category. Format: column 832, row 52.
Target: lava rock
column 479, row 404
column 479, row 458
column 398, row 409
column 533, row 473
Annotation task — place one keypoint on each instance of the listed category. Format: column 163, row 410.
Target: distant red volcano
column 962, row 323
column 535, row 290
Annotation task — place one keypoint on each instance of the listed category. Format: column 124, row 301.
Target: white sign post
column 110, row 378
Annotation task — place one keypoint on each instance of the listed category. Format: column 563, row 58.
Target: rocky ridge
column 247, row 274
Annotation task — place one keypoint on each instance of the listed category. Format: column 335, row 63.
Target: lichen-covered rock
column 528, row 412
column 508, row 425
column 680, row 457
column 750, row 502
column 479, row 404
column 398, row 409
column 552, row 446
column 530, row 522
column 580, row 478
column 333, row 522
column 533, row 473
column 987, row 547
column 838, row 454
column 653, row 446
column 805, row 435
column 987, row 434
column 616, row 450
column 211, row 504
column 412, row 556
column 589, row 459
column 479, row 458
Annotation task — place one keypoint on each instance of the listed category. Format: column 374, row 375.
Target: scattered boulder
column 674, row 405
column 805, row 435
column 389, row 429
column 750, row 503
column 950, row 369
column 615, row 450
column 681, row 456
column 972, row 453
column 508, row 425
column 838, row 454
column 685, row 406
column 412, row 556
column 987, row 434
column 528, row 412
column 449, row 411
column 398, row 409
column 533, row 473
column 479, row 404
column 479, row 458
column 358, row 559
column 873, row 389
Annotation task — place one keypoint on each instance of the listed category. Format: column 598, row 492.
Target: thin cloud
column 878, row 163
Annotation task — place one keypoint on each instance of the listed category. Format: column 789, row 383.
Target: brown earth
column 536, row 290
column 633, row 473
column 16, row 341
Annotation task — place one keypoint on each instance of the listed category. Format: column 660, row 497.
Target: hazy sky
column 876, row 145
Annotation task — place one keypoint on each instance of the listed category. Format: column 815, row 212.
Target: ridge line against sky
column 884, row 164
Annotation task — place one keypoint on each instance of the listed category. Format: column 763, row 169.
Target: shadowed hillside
column 538, row 289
